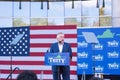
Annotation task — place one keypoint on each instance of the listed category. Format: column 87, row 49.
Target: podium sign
column 57, row 59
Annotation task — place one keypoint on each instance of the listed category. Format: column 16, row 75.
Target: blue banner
column 57, row 59
column 102, row 57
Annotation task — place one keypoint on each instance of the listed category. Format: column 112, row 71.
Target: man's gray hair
column 60, row 33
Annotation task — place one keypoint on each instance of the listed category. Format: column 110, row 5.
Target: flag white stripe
column 27, row 67
column 31, row 58
column 45, row 49
column 33, row 67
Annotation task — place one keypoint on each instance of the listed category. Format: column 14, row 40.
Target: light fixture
column 97, row 5
column 72, row 4
column 41, row 4
column 20, row 5
column 103, row 5
column 47, row 4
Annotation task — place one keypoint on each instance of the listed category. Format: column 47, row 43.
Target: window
column 83, row 13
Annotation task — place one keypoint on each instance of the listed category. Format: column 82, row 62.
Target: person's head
column 60, row 37
column 27, row 75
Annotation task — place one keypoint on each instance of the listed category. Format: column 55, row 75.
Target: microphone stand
column 93, row 59
column 10, row 75
column 90, row 37
column 14, row 42
column 11, row 70
column 59, row 73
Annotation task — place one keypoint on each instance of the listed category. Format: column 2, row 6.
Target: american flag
column 28, row 53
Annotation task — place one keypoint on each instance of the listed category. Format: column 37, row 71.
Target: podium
column 57, row 59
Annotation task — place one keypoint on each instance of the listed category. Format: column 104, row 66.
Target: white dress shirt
column 60, row 47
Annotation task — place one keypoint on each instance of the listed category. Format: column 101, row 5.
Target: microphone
column 60, row 42
column 48, row 50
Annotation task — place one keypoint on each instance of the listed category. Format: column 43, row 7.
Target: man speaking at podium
column 60, row 47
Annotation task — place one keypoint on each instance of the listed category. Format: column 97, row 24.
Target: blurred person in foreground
column 27, row 75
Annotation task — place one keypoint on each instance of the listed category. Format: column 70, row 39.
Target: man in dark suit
column 60, row 47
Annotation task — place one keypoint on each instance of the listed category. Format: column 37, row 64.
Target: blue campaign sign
column 84, row 62
column 57, row 59
column 98, row 48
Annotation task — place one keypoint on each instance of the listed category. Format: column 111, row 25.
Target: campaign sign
column 98, row 51
column 57, row 59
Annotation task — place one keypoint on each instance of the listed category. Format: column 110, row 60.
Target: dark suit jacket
column 55, row 49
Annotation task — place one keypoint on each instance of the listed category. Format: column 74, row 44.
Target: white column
column 115, row 13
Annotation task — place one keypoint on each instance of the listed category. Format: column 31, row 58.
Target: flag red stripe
column 43, row 53
column 52, row 27
column 28, row 63
column 36, row 71
column 47, row 45
column 51, row 36
column 73, row 63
